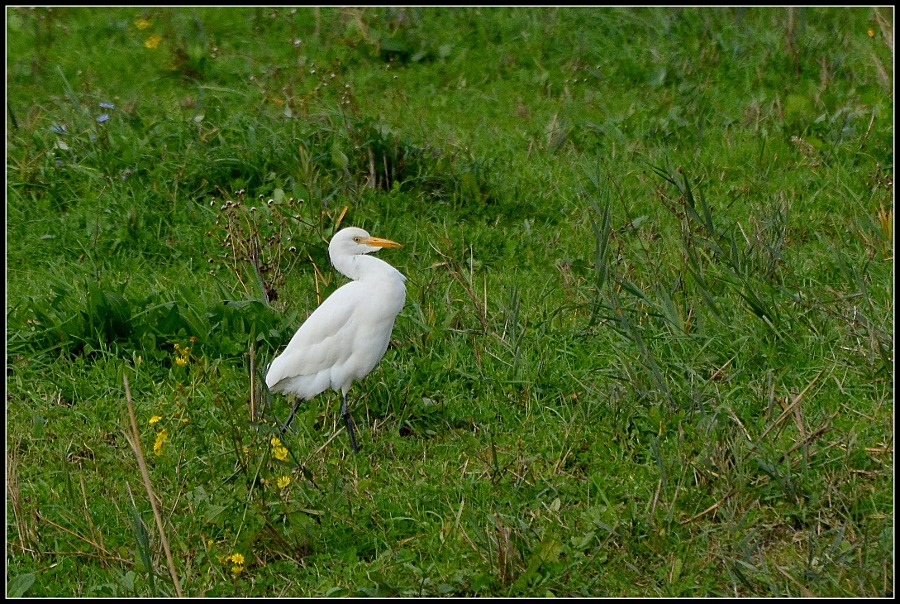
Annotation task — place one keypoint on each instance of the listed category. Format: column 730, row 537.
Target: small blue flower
column 107, row 106
column 102, row 118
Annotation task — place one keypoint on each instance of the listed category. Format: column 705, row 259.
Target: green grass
column 647, row 348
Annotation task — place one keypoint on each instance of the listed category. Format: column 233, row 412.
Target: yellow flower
column 871, row 32
column 278, row 450
column 153, row 41
column 284, row 481
column 238, row 560
column 142, row 23
column 161, row 437
column 182, row 355
column 155, row 419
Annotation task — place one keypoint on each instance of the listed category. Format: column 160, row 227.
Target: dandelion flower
column 153, row 41
column 238, row 560
column 283, row 481
column 142, row 23
column 278, row 450
column 155, row 419
column 182, row 355
column 161, row 437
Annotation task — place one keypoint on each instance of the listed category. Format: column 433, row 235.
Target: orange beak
column 379, row 242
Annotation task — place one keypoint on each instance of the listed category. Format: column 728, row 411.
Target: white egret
column 346, row 336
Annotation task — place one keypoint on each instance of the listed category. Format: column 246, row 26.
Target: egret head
column 353, row 241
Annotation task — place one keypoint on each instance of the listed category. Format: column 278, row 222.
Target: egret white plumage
column 346, row 336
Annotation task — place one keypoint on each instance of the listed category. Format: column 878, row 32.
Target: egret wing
column 324, row 340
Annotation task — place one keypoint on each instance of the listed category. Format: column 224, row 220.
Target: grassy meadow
column 648, row 342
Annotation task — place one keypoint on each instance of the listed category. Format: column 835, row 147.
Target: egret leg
column 291, row 416
column 348, row 420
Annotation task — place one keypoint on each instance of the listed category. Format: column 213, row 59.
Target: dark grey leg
column 348, row 420
column 291, row 416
